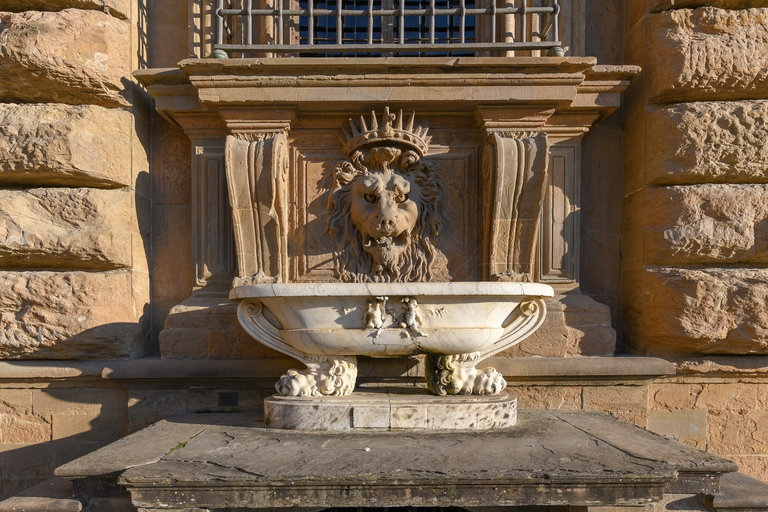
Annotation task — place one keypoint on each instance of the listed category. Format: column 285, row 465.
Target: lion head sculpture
column 386, row 206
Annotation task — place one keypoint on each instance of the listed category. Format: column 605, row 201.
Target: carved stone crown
column 391, row 130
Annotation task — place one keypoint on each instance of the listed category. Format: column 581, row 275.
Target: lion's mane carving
column 385, row 211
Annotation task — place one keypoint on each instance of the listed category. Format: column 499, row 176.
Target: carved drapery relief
column 257, row 175
column 385, row 205
column 515, row 167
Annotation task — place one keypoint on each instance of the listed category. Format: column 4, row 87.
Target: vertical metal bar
column 462, row 20
column 401, row 28
column 555, row 27
column 220, row 23
column 493, row 21
column 339, row 21
column 370, row 21
column 249, row 22
column 524, row 21
column 431, row 21
column 280, row 22
column 311, row 27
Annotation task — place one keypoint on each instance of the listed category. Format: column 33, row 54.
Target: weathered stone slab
column 707, row 142
column 74, row 228
column 688, row 311
column 707, row 54
column 72, row 315
column 705, row 224
column 117, row 8
column 71, row 56
column 55, row 145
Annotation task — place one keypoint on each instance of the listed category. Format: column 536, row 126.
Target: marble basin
column 326, row 325
column 336, row 318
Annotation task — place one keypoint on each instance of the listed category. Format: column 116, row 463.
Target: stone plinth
column 391, row 409
column 213, row 461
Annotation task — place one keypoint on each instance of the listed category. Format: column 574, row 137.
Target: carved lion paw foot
column 457, row 375
column 329, row 376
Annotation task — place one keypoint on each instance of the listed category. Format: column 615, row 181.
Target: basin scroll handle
column 525, row 319
column 251, row 315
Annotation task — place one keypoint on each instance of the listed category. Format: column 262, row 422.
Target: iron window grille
column 386, row 27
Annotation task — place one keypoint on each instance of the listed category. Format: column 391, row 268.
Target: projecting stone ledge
column 232, row 461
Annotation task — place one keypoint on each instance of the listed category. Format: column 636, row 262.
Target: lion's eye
column 401, row 198
column 371, row 198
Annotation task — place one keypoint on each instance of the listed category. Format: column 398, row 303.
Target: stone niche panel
column 71, row 56
column 687, row 311
column 705, row 224
column 73, row 315
column 707, row 142
column 66, row 228
column 315, row 152
column 707, row 54
column 63, row 145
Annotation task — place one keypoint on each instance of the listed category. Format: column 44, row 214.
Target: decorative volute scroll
column 515, row 167
column 257, row 178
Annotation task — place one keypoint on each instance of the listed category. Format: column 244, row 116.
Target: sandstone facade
column 66, row 228
column 707, row 54
column 118, row 8
column 72, row 315
column 70, row 56
column 707, row 141
column 63, row 145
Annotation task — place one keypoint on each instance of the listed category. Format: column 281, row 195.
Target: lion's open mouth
column 385, row 243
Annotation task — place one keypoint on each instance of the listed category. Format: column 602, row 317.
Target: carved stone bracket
column 515, row 169
column 257, row 178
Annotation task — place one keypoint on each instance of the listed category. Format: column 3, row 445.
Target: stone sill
column 156, row 369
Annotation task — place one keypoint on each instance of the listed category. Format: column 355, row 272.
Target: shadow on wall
column 54, row 424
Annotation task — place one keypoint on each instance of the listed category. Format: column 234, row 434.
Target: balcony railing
column 386, row 27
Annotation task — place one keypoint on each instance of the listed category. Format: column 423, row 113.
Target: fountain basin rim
column 456, row 288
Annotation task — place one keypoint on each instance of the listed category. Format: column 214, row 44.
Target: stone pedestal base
column 391, row 409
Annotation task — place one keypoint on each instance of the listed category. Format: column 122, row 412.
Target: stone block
column 682, row 425
column 546, row 397
column 637, row 9
column 616, row 398
column 24, row 465
column 71, row 56
column 705, row 224
column 674, row 396
column 707, row 142
column 95, row 427
column 24, row 428
column 676, row 311
column 72, row 315
column 66, row 228
column 64, row 145
column 15, row 401
column 146, row 406
column 117, row 8
column 738, row 433
column 755, row 466
column 707, row 54
column 75, row 401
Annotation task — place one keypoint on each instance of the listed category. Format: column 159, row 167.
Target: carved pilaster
column 515, row 169
column 257, row 177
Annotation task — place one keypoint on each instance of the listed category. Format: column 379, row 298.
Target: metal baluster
column 311, row 28
column 249, row 22
column 462, row 20
column 431, row 21
column 339, row 21
column 555, row 27
column 370, row 21
column 493, row 21
column 524, row 21
column 220, row 21
column 401, row 28
column 280, row 22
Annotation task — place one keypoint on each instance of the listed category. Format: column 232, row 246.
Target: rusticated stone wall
column 74, row 223
column 695, row 227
